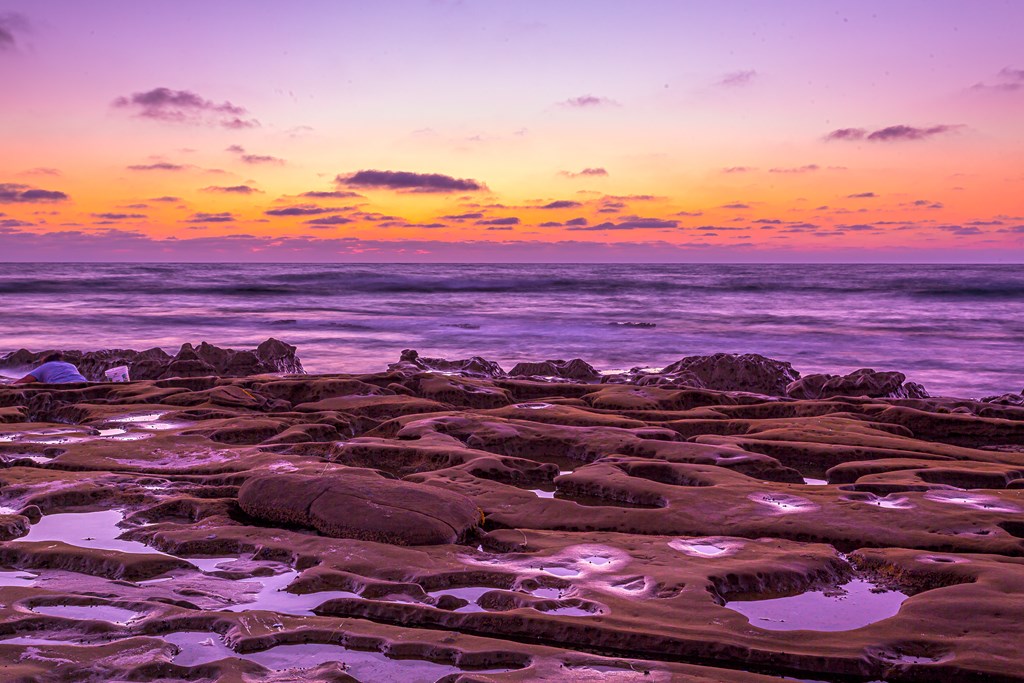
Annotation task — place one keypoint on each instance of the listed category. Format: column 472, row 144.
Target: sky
column 534, row 131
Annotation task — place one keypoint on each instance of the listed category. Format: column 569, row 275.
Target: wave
column 262, row 281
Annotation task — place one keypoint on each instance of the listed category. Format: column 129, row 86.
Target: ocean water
column 956, row 329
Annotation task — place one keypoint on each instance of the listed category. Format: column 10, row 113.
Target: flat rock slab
column 362, row 507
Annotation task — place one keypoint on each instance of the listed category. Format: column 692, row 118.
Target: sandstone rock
column 361, row 506
column 576, row 369
column 863, row 382
column 749, row 372
column 1006, row 399
column 470, row 367
column 272, row 356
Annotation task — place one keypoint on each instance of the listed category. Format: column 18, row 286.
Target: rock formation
column 272, row 356
column 864, row 382
column 414, row 525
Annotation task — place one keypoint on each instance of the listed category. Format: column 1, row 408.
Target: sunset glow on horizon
column 432, row 130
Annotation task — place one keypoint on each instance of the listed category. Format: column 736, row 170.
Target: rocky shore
column 720, row 519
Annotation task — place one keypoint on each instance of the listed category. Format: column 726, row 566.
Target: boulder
column 575, row 369
column 748, row 372
column 361, row 505
column 863, row 382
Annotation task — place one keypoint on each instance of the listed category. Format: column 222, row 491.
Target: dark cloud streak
column 15, row 193
column 186, row 107
column 407, row 180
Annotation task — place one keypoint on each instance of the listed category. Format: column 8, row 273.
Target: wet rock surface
column 421, row 524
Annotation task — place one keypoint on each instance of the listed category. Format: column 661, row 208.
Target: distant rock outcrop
column 748, row 372
column 576, row 369
column 468, row 367
column 1006, row 399
column 863, row 382
column 272, row 356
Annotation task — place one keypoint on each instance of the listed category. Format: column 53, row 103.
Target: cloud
column 42, row 171
column 862, row 195
column 847, row 134
column 15, row 193
column 254, row 158
column 635, row 197
column 332, row 194
column 165, row 199
column 737, row 169
column 909, row 132
column 14, row 223
column 891, row 133
column 960, row 229
column 463, row 216
column 232, row 189
column 630, row 223
column 329, row 220
column 577, row 221
column 10, row 25
column 688, row 213
column 407, row 180
column 135, row 246
column 588, row 101
column 809, row 168
column 511, row 220
column 1007, row 80
column 736, row 205
column 119, row 216
column 587, row 172
column 223, row 217
column 561, row 204
column 185, row 107
column 737, row 78
column 159, row 166
column 262, row 159
column 302, row 210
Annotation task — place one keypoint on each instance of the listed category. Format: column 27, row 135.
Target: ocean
column 957, row 329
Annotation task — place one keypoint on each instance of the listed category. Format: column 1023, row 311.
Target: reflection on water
column 852, row 605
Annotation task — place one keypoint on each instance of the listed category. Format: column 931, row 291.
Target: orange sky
column 654, row 131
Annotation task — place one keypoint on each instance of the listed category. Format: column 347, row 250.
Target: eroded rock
column 863, row 382
column 361, row 506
